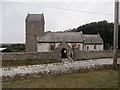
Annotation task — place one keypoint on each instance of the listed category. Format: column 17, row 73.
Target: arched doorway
column 64, row 53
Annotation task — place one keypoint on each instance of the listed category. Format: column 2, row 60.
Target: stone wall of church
column 78, row 55
column 45, row 47
column 27, row 56
column 93, row 47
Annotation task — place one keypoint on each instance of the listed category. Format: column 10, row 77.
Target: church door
column 64, row 53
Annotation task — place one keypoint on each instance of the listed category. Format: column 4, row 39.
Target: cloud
column 58, row 0
column 0, row 21
column 78, row 13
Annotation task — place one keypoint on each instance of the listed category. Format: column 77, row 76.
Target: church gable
column 92, row 39
column 63, row 45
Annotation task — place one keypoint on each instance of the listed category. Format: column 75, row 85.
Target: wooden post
column 115, row 42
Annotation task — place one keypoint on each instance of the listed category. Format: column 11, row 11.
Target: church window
column 52, row 47
column 87, row 47
column 94, row 46
column 78, row 46
column 73, row 46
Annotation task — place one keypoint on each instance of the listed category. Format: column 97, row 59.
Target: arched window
column 52, row 46
column 87, row 47
column 94, row 46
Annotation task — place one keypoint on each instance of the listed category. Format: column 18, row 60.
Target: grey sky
column 59, row 16
column 0, row 22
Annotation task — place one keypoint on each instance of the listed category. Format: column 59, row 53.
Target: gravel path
column 54, row 68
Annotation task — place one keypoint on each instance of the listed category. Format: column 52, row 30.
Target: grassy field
column 8, row 63
column 96, row 79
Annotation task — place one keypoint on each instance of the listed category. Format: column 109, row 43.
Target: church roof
column 70, row 37
column 92, row 38
column 34, row 17
column 61, row 37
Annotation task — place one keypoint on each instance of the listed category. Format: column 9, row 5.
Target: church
column 39, row 41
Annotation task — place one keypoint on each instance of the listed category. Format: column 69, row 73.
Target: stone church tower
column 34, row 29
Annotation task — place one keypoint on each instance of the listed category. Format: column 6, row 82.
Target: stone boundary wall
column 28, row 56
column 93, row 54
column 77, row 55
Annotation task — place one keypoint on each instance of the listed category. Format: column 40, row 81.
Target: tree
column 7, row 50
column 104, row 28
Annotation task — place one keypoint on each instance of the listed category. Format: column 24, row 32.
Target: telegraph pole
column 115, row 42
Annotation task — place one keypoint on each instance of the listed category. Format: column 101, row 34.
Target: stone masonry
column 34, row 29
column 92, row 54
column 28, row 56
column 77, row 55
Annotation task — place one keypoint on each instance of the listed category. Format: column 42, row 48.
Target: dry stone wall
column 27, row 56
column 93, row 54
column 77, row 55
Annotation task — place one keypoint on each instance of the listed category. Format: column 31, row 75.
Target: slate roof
column 61, row 37
column 72, row 37
column 34, row 17
column 92, row 38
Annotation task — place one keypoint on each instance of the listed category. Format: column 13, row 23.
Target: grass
column 96, row 79
column 8, row 63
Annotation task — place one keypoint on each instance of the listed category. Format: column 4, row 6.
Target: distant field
column 96, row 79
column 9, row 63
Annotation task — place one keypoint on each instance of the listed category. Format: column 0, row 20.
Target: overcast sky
column 59, row 16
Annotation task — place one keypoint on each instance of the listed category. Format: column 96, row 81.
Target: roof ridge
column 61, row 32
column 90, row 34
column 35, row 14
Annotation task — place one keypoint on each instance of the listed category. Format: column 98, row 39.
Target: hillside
column 104, row 28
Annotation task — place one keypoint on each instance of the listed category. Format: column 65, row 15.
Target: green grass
column 96, row 79
column 8, row 63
